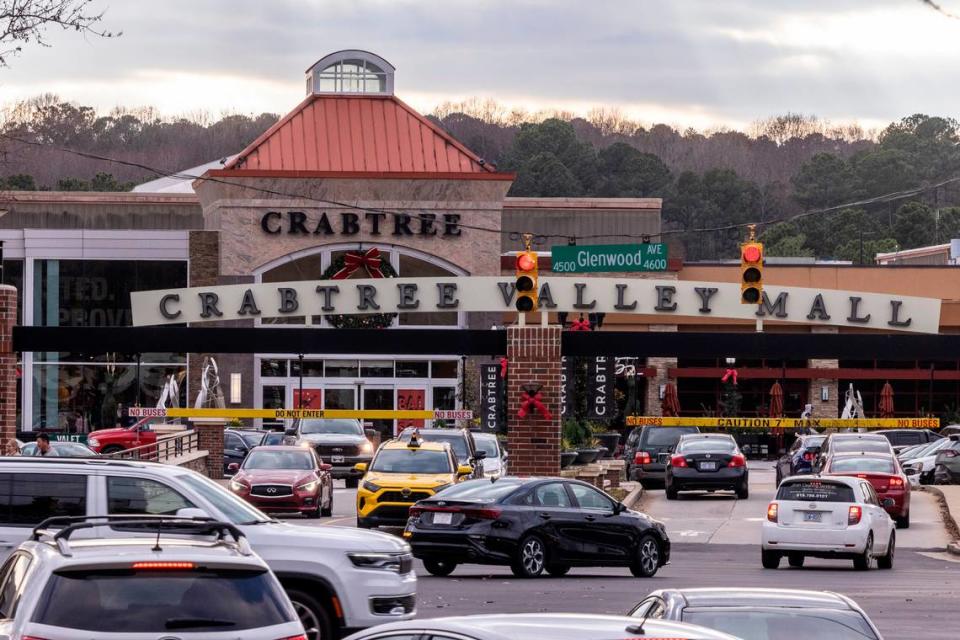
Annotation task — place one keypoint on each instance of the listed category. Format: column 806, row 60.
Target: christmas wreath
column 345, row 266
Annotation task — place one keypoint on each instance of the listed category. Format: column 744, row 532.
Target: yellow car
column 400, row 474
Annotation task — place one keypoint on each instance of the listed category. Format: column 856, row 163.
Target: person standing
column 44, row 449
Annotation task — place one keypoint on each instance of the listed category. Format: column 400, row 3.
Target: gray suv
column 339, row 442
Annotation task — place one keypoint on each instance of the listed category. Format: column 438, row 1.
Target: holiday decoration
column 353, row 260
column 531, row 400
column 580, row 325
column 728, row 374
column 342, row 267
column 503, row 368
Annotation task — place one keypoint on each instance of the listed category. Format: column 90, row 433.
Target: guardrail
column 164, row 450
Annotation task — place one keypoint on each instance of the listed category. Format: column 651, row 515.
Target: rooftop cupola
column 349, row 72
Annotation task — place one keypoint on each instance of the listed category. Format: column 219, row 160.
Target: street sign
column 289, row 414
column 608, row 257
column 786, row 423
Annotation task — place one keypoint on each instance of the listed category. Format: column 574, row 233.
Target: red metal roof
column 358, row 135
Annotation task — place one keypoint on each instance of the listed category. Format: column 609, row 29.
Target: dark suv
column 647, row 452
column 341, row 443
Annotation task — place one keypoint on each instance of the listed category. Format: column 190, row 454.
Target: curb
column 948, row 519
column 632, row 498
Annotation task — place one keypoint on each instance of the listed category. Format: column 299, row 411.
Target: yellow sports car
column 400, row 474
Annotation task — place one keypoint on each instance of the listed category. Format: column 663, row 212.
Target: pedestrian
column 43, row 447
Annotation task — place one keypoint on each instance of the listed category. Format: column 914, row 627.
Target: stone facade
column 534, row 359
column 652, row 405
column 821, row 408
column 8, row 371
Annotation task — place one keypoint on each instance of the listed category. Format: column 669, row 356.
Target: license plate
column 336, row 459
column 708, row 466
column 811, row 516
column 442, row 518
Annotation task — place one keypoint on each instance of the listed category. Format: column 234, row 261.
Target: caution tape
column 291, row 414
column 786, row 423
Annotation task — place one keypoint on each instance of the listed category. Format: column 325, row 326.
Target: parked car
column 921, row 464
column 903, row 438
column 123, row 587
column 108, row 441
column 950, row 430
column 61, row 450
column 800, row 457
column 852, row 443
column 495, row 459
column 237, row 443
column 947, row 464
column 707, row 461
column 762, row 614
column 828, row 517
column 647, row 451
column 884, row 473
column 538, row 626
column 460, row 440
column 284, row 479
column 534, row 525
column 340, row 442
column 338, row 579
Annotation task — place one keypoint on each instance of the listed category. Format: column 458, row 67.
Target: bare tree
column 25, row 21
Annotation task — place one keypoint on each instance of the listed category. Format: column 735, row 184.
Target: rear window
column 770, row 624
column 481, row 490
column 127, row 601
column 874, row 446
column 712, row 444
column 862, row 464
column 665, row 436
column 815, row 491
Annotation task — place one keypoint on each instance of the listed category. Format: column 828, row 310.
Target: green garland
column 368, row 321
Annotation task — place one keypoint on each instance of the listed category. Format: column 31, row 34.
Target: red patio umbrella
column 886, row 401
column 670, row 405
column 776, row 401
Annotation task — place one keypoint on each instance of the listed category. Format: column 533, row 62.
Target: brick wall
column 8, row 371
column 204, row 272
column 823, row 409
column 534, row 441
column 210, row 434
column 652, row 406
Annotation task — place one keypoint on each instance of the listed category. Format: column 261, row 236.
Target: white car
column 339, row 580
column 540, row 626
column 207, row 586
column 495, row 464
column 920, row 466
column 827, row 517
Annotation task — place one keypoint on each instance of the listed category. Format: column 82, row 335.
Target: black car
column 341, row 443
column 903, row 438
column 707, row 462
column 460, row 440
column 800, row 457
column 647, row 452
column 533, row 525
column 237, row 443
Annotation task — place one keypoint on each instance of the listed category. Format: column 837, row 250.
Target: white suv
column 828, row 517
column 196, row 587
column 338, row 579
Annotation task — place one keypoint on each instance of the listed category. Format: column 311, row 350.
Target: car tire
column 362, row 524
column 770, row 559
column 743, row 491
column 531, row 558
column 903, row 522
column 647, row 561
column 439, row 568
column 862, row 562
column 314, row 514
column 110, row 448
column 314, row 617
column 558, row 570
column 886, row 561
column 672, row 494
column 796, row 560
column 352, row 483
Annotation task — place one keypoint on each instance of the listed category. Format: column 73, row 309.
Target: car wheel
column 672, row 494
column 110, row 448
column 352, row 483
column 558, row 570
column 531, row 558
column 743, row 492
column 312, row 514
column 770, row 559
column 862, row 562
column 647, row 561
column 362, row 524
column 313, row 616
column 903, row 522
column 439, row 568
column 796, row 560
column 886, row 561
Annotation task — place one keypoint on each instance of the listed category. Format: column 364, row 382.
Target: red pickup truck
column 120, row 438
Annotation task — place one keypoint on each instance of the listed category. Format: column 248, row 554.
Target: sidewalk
column 950, row 501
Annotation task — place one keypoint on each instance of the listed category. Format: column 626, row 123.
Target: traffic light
column 751, row 272
column 527, row 281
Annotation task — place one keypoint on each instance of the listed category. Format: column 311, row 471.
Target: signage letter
column 208, row 304
column 580, row 304
column 288, row 300
column 818, row 309
column 367, row 293
column 265, row 222
column 297, row 220
column 895, row 320
column 446, row 292
column 375, row 218
column 545, row 299
column 778, row 308
column 401, row 224
column 705, row 294
column 426, row 224
column 349, row 224
column 855, row 310
column 408, row 296
column 451, row 224
column 665, row 299
column 170, row 315
column 327, row 293
column 507, row 290
column 323, row 226
column 621, row 306
column 248, row 305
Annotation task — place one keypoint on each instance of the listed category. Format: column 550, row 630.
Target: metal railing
column 163, row 450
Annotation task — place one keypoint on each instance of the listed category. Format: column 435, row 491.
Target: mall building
column 318, row 186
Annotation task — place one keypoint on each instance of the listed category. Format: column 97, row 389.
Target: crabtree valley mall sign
column 648, row 297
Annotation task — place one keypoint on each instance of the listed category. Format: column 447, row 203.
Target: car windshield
column 411, row 461
column 332, row 427
column 251, row 438
column 862, row 464
column 666, row 436
column 707, row 444
column 862, row 444
column 62, row 449
column 782, row 624
column 455, row 439
column 488, row 444
column 274, row 437
column 481, row 490
column 265, row 459
column 231, row 507
column 815, row 491
column 159, row 602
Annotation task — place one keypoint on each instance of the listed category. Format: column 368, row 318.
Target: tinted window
column 862, row 464
column 233, row 508
column 274, row 437
column 813, row 443
column 873, row 446
column 488, row 444
column 708, row 444
column 339, row 427
column 552, row 495
column 455, row 439
column 142, row 496
column 411, row 461
column 266, row 459
column 251, row 438
column 232, row 441
column 13, row 575
column 776, row 624
column 590, row 498
column 904, row 437
column 665, row 436
column 30, row 499
column 815, row 491
column 481, row 490
column 126, row 601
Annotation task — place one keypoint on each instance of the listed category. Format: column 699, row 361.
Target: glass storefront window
column 444, row 398
column 339, row 398
column 273, row 397
column 273, row 369
column 443, row 369
column 13, row 275
column 311, row 368
column 413, row 369
column 341, row 369
column 376, row 368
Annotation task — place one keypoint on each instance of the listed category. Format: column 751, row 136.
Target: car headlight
column 366, row 447
column 396, row 562
column 441, row 487
column 309, row 487
column 238, row 486
column 369, row 486
column 93, row 442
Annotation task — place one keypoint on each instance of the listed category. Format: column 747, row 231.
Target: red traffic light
column 526, row 262
column 751, row 253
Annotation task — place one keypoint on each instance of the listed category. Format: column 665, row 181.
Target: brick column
column 210, row 432
column 8, row 371
column 534, row 442
column 652, row 406
column 829, row 408
column 204, row 272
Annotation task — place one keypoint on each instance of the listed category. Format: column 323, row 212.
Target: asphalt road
column 716, row 544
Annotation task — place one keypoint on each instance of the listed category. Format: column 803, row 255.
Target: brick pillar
column 8, row 371
column 652, row 406
column 204, row 272
column 821, row 409
column 210, row 432
column 534, row 442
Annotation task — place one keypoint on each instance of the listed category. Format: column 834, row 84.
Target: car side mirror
column 361, row 467
column 479, row 455
column 888, row 502
column 325, row 467
column 619, row 508
column 234, row 466
column 464, row 470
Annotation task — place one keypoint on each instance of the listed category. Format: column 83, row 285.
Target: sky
column 697, row 63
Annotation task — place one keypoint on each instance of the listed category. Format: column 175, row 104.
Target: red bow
column 580, row 325
column 533, row 402
column 503, row 368
column 730, row 373
column 369, row 260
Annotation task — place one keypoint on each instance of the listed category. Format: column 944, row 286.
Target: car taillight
column 39, row 638
column 808, row 456
column 415, row 511
column 642, row 457
column 854, row 514
column 772, row 512
column 737, row 460
column 678, row 461
column 482, row 514
column 896, row 482
column 162, row 566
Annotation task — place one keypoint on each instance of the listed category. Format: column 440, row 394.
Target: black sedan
column 707, row 461
column 532, row 526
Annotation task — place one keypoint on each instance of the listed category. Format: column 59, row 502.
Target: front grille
column 385, row 605
column 327, row 450
column 397, row 496
column 392, row 512
column 271, row 490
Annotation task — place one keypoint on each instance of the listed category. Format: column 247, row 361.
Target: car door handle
column 590, row 518
column 545, row 516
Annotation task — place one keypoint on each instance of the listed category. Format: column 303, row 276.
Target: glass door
column 379, row 397
column 340, row 397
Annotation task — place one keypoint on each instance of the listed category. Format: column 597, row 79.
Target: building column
column 210, row 436
column 8, row 371
column 533, row 354
column 821, row 408
column 652, row 405
column 204, row 271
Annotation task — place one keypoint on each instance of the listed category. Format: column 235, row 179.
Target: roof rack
column 172, row 524
column 101, row 462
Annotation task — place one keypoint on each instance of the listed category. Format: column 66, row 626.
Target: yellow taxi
column 400, row 474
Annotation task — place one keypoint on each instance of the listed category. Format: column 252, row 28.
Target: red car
column 285, row 479
column 119, row 438
column 884, row 474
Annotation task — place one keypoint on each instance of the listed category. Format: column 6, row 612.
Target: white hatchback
column 827, row 517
